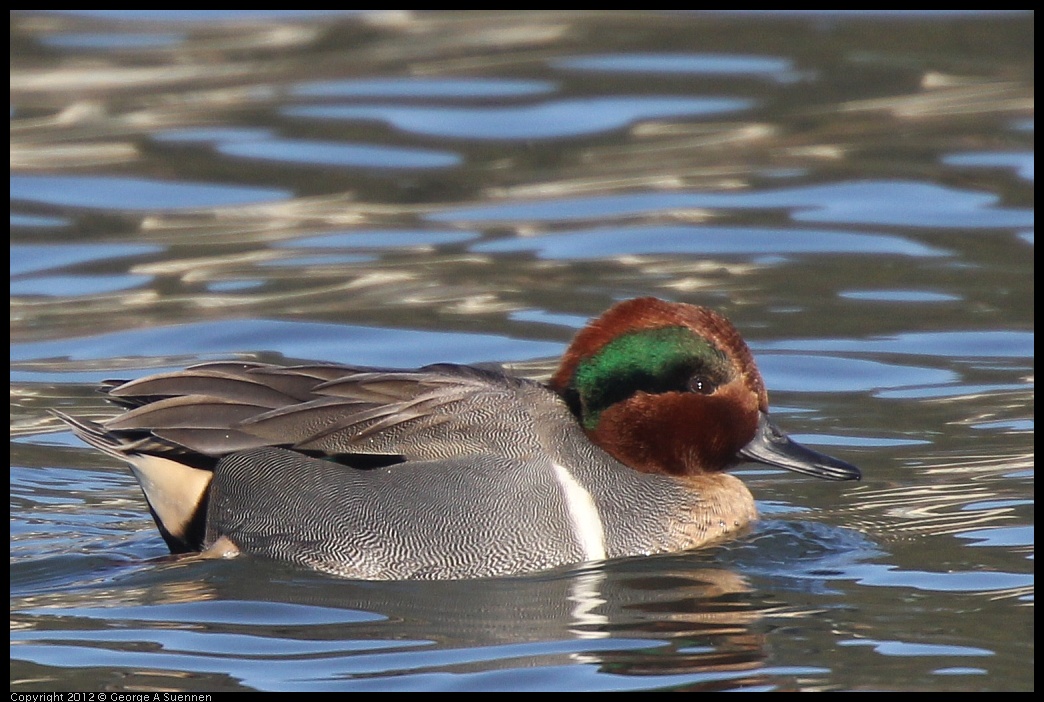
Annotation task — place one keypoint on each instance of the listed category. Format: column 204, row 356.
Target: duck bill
column 774, row 448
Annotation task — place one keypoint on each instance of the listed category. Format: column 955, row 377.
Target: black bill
column 774, row 448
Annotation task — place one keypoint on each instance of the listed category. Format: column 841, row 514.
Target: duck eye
column 701, row 384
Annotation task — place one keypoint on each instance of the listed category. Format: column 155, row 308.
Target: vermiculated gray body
column 483, row 474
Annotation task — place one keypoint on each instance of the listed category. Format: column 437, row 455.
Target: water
column 854, row 191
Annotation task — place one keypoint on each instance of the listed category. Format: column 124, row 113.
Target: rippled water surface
column 854, row 191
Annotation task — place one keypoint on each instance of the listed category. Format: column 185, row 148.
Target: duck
column 457, row 471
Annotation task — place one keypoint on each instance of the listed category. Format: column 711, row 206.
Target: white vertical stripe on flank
column 587, row 523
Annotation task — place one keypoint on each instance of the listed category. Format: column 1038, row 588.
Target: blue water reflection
column 306, row 341
column 550, row 120
column 336, row 153
column 905, row 203
column 129, row 193
column 707, row 241
column 425, row 87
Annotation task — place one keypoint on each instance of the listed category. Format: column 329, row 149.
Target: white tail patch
column 587, row 523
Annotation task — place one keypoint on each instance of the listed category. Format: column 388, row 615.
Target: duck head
column 672, row 388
